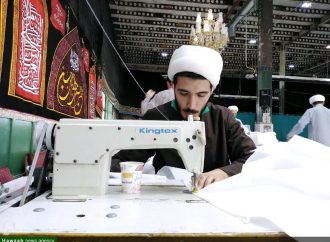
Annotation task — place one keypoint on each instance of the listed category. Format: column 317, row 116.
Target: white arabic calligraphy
column 74, row 61
column 92, row 99
column 58, row 15
column 30, row 49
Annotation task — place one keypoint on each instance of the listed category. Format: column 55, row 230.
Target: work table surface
column 155, row 211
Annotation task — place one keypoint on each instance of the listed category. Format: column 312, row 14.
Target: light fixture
column 164, row 77
column 306, row 4
column 291, row 66
column 164, row 54
column 212, row 33
column 252, row 41
column 328, row 46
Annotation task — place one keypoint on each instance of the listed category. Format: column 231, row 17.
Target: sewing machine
column 82, row 155
column 83, row 150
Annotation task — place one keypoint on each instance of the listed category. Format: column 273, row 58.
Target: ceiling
column 145, row 28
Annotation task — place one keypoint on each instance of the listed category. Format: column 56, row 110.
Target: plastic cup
column 131, row 175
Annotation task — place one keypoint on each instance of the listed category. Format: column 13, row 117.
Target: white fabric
column 263, row 138
column 318, row 121
column 286, row 183
column 159, row 99
column 233, row 108
column 316, row 98
column 197, row 59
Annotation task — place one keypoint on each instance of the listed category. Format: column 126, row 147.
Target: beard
column 188, row 110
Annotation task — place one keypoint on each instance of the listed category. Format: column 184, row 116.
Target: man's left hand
column 207, row 178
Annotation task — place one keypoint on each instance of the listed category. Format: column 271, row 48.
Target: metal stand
column 33, row 166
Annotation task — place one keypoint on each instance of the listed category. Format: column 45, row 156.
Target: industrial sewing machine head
column 83, row 149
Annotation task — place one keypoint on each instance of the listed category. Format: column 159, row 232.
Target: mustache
column 188, row 110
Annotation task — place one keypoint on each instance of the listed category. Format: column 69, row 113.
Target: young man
column 195, row 72
column 317, row 118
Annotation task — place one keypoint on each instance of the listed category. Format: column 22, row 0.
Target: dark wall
column 101, row 41
column 119, row 79
column 132, row 95
column 297, row 95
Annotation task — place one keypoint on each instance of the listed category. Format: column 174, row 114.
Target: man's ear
column 170, row 84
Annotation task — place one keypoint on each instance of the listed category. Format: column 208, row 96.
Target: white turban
column 316, row 98
column 197, row 59
column 233, row 108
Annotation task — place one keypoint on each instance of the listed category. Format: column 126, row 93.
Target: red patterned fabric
column 92, row 93
column 67, row 88
column 99, row 98
column 5, row 175
column 86, row 58
column 58, row 16
column 28, row 66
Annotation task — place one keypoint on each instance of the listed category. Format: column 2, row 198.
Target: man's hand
column 207, row 178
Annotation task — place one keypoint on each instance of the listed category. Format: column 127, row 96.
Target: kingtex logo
column 157, row 131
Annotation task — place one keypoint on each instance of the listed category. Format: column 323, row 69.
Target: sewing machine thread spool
column 192, row 118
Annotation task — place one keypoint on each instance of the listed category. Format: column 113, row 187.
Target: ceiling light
column 252, row 41
column 164, row 54
column 291, row 66
column 210, row 32
column 328, row 46
column 306, row 4
column 165, row 77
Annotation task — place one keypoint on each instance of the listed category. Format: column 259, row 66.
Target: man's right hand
column 207, row 178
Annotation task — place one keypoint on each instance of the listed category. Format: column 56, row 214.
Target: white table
column 163, row 212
